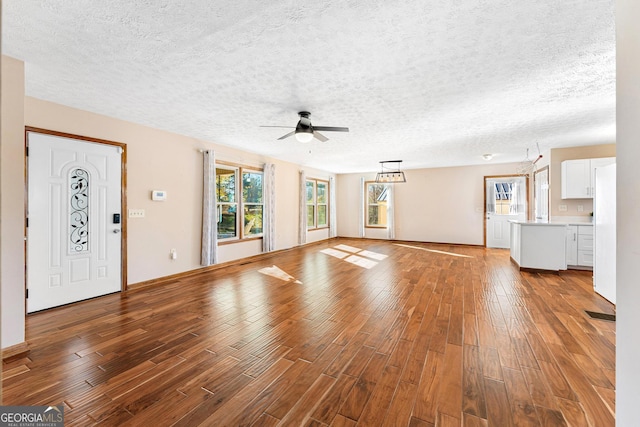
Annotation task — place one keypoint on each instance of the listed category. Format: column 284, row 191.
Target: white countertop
column 546, row 224
column 550, row 223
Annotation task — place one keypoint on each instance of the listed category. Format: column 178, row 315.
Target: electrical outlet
column 580, row 208
column 173, row 254
column 562, row 208
column 136, row 213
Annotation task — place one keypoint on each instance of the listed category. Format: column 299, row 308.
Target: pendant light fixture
column 390, row 174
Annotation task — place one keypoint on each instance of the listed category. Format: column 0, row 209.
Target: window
column 252, row 203
column 322, row 191
column 240, row 202
column 376, row 205
column 317, row 204
column 503, row 197
column 227, row 203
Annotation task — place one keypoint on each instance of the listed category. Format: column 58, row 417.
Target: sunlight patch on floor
column 374, row 255
column 433, row 250
column 348, row 248
column 347, row 253
column 361, row 262
column 334, row 253
column 276, row 272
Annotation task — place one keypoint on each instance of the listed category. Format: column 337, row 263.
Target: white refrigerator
column 604, row 217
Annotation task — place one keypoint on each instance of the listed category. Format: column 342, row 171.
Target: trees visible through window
column 252, row 203
column 317, row 204
column 227, row 202
column 322, row 191
column 240, row 202
column 376, row 204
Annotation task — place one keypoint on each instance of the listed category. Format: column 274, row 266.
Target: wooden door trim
column 123, row 193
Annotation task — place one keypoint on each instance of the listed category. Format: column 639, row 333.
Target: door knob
column 117, row 230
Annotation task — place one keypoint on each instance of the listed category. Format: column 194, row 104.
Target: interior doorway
column 505, row 199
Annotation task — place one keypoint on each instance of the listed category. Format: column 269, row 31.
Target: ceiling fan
column 305, row 131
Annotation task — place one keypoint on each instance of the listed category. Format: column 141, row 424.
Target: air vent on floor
column 601, row 316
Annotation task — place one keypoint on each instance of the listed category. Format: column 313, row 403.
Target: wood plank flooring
column 368, row 333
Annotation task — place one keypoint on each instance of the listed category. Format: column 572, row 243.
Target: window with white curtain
column 240, row 202
column 506, row 196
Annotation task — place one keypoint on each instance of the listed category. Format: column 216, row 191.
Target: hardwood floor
column 402, row 335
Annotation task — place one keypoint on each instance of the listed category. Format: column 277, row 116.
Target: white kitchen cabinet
column 585, row 245
column 572, row 245
column 538, row 246
column 578, row 177
column 579, row 246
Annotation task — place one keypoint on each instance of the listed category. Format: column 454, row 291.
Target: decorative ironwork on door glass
column 79, row 214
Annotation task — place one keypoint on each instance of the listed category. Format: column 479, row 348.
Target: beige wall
column 156, row 160
column 159, row 160
column 434, row 205
column 557, row 156
column 12, row 193
column 628, row 212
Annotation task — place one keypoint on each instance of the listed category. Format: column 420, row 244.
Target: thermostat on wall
column 159, row 195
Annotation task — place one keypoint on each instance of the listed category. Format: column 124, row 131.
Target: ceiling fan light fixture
column 305, row 132
column 304, row 136
column 388, row 175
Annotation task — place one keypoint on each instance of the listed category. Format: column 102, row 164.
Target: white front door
column 74, row 220
column 506, row 200
column 498, row 232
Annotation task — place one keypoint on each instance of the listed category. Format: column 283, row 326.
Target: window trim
column 315, row 204
column 240, row 235
column 366, row 206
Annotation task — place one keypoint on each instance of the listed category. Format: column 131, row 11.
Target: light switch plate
column 136, row 213
column 562, row 208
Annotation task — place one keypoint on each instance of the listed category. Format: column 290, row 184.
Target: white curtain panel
column 520, row 195
column 391, row 223
column 490, row 194
column 361, row 208
column 333, row 216
column 269, row 217
column 302, row 223
column 209, row 254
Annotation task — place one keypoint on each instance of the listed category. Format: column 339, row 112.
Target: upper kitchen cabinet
column 576, row 179
column 578, row 176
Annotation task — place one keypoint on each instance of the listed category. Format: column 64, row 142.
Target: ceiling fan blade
column 284, row 127
column 287, row 135
column 331, row 129
column 320, row 137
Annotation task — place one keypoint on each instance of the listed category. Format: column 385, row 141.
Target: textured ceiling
column 431, row 83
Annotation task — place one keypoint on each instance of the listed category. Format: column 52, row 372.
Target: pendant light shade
column 390, row 174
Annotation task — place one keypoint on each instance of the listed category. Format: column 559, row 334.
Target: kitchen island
column 539, row 245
